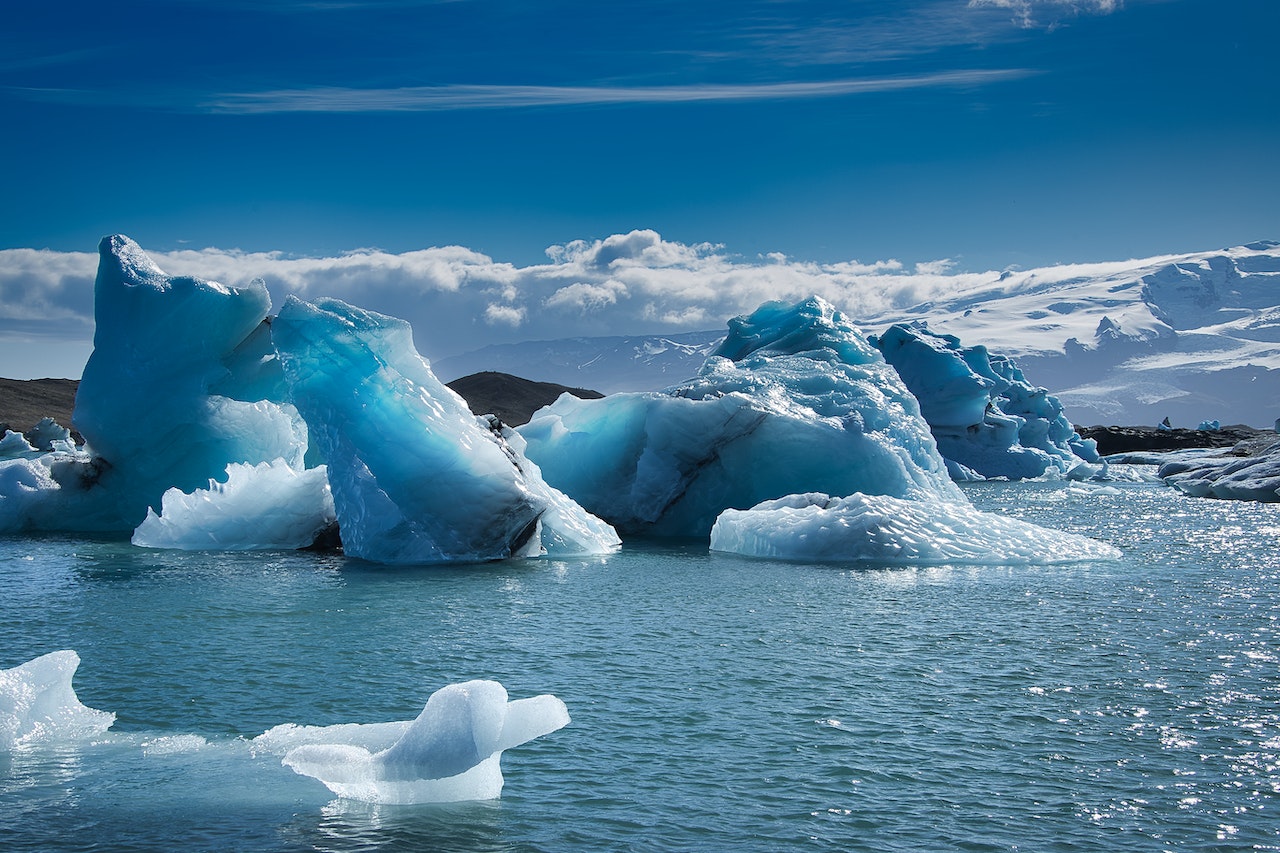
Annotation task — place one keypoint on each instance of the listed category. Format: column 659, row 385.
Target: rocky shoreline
column 1134, row 439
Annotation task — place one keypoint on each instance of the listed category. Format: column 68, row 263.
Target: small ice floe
column 884, row 529
column 450, row 753
column 38, row 704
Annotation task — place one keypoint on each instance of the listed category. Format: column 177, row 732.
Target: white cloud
column 472, row 97
column 458, row 299
column 507, row 315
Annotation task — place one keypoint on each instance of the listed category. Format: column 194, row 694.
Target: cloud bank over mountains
column 459, row 299
column 1195, row 335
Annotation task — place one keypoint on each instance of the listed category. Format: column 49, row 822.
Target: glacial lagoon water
column 718, row 703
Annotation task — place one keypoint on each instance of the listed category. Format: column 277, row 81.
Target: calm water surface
column 718, row 703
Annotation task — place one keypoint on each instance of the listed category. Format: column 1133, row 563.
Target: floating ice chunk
column 48, row 435
column 1247, row 478
column 794, row 400
column 885, row 529
column 14, row 444
column 416, row 478
column 264, row 506
column 38, row 704
column 981, row 409
column 450, row 753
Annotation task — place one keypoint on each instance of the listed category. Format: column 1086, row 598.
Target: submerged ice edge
column 888, row 530
column 450, row 753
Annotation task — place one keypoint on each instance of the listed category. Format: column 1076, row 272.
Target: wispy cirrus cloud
column 1034, row 13
column 472, row 97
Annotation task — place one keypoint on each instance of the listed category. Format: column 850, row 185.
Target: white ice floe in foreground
column 39, row 706
column 450, row 753
column 264, row 506
column 889, row 530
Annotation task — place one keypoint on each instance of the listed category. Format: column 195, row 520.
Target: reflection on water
column 349, row 827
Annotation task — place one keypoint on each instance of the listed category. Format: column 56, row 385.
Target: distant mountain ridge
column 607, row 364
column 1191, row 337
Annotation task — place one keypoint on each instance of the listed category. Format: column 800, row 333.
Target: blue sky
column 991, row 133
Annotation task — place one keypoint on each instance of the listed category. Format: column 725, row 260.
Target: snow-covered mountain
column 1190, row 337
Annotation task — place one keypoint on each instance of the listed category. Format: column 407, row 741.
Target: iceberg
column 271, row 505
column 986, row 417
column 794, row 400
column 450, row 753
column 416, row 477
column 39, row 706
column 145, row 403
column 1242, row 478
column 887, row 530
column 161, row 404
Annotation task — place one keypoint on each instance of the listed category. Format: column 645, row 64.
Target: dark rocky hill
column 512, row 399
column 1117, row 439
column 23, row 402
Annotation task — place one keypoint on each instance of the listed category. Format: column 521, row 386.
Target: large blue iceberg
column 416, row 477
column 172, row 394
column 794, row 400
column 193, row 438
column 987, row 418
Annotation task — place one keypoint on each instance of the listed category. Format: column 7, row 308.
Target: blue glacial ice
column 193, row 439
column 886, row 530
column 158, row 401
column 416, row 477
column 987, row 418
column 450, row 753
column 271, row 505
column 39, row 706
column 794, row 400
column 159, row 404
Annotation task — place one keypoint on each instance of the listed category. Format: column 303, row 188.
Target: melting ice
column 451, row 752
column 39, row 705
column 987, row 418
column 193, row 439
column 416, row 477
column 211, row 426
column 889, row 530
column 795, row 400
column 265, row 506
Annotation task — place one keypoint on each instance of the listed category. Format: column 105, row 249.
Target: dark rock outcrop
column 1122, row 439
column 512, row 399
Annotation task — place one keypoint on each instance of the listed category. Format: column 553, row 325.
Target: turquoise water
column 718, row 703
